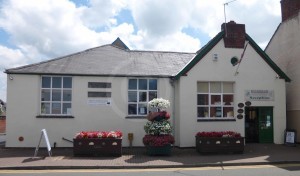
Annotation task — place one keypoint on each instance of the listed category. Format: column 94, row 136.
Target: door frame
column 256, row 125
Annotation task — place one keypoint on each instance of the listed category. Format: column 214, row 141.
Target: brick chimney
column 289, row 8
column 235, row 35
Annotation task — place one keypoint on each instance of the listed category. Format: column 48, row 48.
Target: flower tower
column 158, row 139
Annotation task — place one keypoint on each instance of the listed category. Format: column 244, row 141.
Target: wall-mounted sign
column 99, row 102
column 259, row 95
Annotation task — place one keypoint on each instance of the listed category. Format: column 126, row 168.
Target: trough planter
column 159, row 150
column 97, row 147
column 220, row 144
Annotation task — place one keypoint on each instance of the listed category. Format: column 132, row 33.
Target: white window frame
column 138, row 95
column 61, row 101
column 221, row 105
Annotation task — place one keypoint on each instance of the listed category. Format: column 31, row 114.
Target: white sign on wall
column 99, row 102
column 259, row 95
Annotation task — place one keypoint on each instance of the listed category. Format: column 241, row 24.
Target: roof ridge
column 162, row 51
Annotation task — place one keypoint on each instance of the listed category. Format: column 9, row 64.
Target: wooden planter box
column 220, row 145
column 97, row 147
column 159, row 151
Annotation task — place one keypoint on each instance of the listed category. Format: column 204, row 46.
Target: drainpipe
column 172, row 82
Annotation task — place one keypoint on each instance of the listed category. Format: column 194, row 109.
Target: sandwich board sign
column 43, row 134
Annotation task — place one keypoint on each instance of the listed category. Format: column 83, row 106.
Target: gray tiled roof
column 109, row 60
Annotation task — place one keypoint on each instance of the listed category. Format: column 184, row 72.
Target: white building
column 284, row 48
column 108, row 87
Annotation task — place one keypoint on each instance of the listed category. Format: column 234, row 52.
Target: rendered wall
column 284, row 47
column 254, row 73
column 23, row 99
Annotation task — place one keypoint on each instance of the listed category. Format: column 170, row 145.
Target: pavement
column 136, row 157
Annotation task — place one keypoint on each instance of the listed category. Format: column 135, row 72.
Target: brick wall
column 2, row 125
column 235, row 35
column 289, row 8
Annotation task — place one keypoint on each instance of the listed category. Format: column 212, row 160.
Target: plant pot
column 159, row 150
column 97, row 147
column 220, row 144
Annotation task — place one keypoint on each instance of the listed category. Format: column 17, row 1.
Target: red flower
column 219, row 134
column 99, row 134
column 158, row 140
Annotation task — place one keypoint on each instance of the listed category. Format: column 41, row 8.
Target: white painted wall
column 254, row 73
column 284, row 47
column 24, row 102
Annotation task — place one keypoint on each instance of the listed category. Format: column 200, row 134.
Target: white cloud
column 9, row 58
column 158, row 18
column 101, row 12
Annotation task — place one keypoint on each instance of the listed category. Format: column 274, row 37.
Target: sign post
column 43, row 133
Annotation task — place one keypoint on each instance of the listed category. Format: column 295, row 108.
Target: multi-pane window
column 56, row 95
column 215, row 99
column 140, row 92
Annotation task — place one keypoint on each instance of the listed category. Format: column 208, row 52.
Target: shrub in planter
column 219, row 142
column 98, row 143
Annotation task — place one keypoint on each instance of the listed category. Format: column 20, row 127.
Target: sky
column 32, row 31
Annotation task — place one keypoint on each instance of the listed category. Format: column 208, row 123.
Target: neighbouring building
column 2, row 117
column 284, row 49
column 229, row 84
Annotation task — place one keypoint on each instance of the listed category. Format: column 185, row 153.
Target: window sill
column 55, row 116
column 135, row 117
column 216, row 120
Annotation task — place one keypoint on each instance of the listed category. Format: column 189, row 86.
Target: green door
column 265, row 124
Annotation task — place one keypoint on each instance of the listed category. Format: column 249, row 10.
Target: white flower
column 159, row 103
